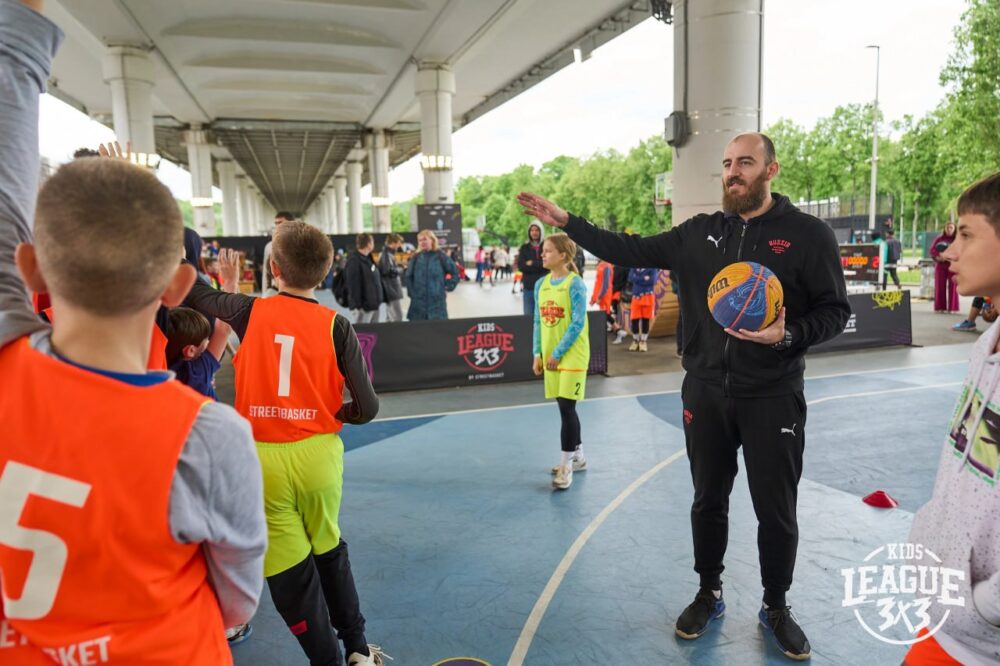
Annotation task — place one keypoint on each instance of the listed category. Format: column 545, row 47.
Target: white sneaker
column 634, row 346
column 579, row 465
column 375, row 657
column 643, row 346
column 563, row 478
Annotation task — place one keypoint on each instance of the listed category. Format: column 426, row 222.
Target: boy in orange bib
column 131, row 521
column 295, row 358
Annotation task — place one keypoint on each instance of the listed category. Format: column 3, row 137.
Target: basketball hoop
column 661, row 205
column 663, row 192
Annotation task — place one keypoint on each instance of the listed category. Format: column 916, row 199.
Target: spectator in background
column 268, row 286
column 529, row 263
column 429, row 276
column 981, row 305
column 364, row 282
column 945, row 289
column 619, row 280
column 480, row 264
column 601, row 296
column 392, row 283
column 893, row 253
column 643, row 281
column 501, row 262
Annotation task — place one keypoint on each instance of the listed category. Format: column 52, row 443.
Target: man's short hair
column 363, row 239
column 108, row 236
column 983, row 198
column 392, row 239
column 769, row 153
column 303, row 253
column 187, row 327
column 85, row 152
column 890, row 232
column 285, row 215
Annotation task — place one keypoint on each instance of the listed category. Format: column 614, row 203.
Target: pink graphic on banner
column 367, row 342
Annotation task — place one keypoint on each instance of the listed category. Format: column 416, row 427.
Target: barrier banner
column 879, row 319
column 477, row 351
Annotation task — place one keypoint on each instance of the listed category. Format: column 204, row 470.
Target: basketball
column 745, row 295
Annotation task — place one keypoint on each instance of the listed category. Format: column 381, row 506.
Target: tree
column 972, row 78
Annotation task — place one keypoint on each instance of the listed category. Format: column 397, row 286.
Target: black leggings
column 569, row 436
column 640, row 326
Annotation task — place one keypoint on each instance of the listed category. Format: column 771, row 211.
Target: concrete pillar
column 230, row 197
column 130, row 73
column 340, row 201
column 378, row 169
column 436, row 88
column 723, row 93
column 241, row 203
column 330, row 197
column 320, row 213
column 356, row 223
column 200, row 166
column 246, row 215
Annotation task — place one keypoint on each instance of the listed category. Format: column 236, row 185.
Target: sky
column 814, row 60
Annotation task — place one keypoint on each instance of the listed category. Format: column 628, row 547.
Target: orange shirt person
column 113, row 548
column 296, row 357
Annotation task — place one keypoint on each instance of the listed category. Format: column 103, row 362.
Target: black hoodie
column 800, row 249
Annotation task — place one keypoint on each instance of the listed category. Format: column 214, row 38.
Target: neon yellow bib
column 554, row 306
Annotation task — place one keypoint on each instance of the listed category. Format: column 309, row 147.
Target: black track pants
column 315, row 597
column 771, row 432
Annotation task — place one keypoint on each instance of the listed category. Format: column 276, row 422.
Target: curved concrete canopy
column 290, row 86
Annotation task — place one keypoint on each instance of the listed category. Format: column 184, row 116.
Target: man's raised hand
column 543, row 209
column 114, row 151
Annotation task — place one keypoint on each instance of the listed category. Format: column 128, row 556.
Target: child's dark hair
column 983, row 198
column 187, row 327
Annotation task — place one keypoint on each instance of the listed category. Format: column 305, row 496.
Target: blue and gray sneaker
column 695, row 619
column 789, row 637
column 965, row 325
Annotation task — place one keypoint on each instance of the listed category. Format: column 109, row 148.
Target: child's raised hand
column 229, row 269
column 114, row 151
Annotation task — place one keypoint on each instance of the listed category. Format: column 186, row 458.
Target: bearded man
column 742, row 388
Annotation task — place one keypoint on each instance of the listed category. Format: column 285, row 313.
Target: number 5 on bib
column 49, row 553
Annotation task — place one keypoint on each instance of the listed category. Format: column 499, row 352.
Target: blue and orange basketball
column 745, row 295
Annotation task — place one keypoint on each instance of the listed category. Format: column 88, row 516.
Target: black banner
column 460, row 352
column 861, row 262
column 445, row 220
column 879, row 319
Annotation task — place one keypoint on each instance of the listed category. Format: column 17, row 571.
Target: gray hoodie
column 961, row 522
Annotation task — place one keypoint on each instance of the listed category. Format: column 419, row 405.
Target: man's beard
column 739, row 204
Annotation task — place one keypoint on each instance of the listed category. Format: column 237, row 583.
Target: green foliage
column 605, row 186
column 925, row 167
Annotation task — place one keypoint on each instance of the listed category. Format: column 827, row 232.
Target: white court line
column 538, row 612
column 477, row 410
column 535, row 618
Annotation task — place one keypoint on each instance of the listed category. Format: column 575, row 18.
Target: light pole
column 874, row 191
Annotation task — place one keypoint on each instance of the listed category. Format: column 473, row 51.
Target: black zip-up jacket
column 801, row 250
column 364, row 282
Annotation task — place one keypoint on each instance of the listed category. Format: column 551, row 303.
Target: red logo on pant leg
column 688, row 417
column 299, row 629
